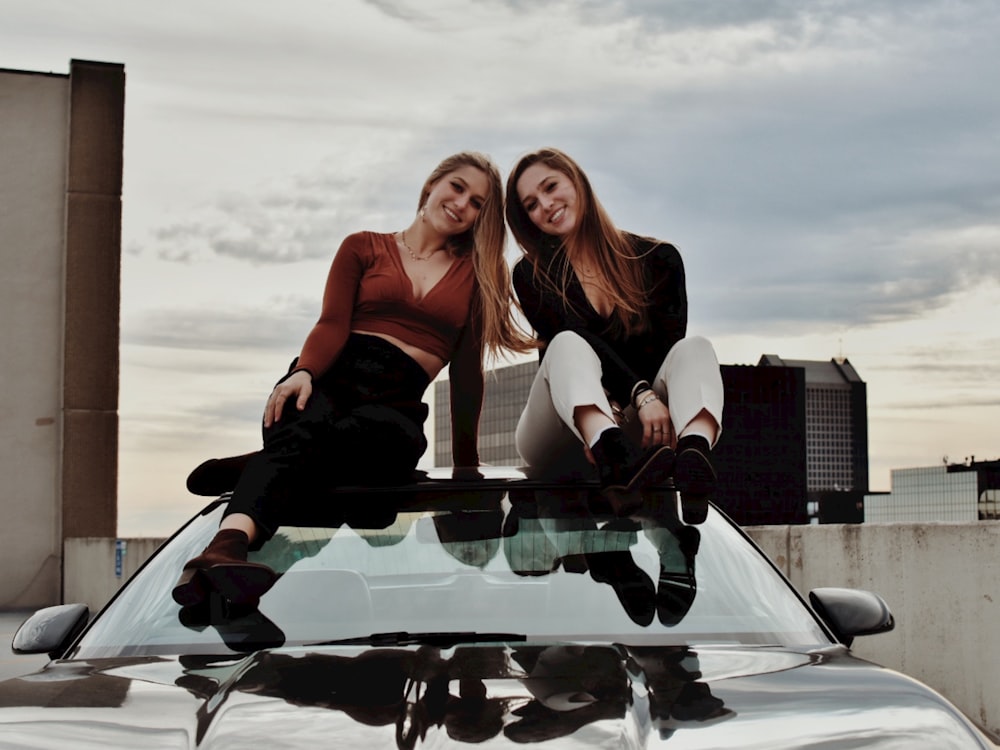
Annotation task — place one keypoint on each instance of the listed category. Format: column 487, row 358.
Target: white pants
column 569, row 376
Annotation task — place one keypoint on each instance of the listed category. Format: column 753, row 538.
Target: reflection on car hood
column 558, row 696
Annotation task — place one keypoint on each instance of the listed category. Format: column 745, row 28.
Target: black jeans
column 363, row 424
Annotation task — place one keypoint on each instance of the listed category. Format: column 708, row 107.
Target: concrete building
column 967, row 492
column 61, row 141
column 506, row 393
column 836, row 422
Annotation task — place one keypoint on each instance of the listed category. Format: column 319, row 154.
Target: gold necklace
column 402, row 237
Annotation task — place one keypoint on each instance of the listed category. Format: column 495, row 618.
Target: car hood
column 558, row 696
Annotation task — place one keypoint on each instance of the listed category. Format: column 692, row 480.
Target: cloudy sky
column 830, row 170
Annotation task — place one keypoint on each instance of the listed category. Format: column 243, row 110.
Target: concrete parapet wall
column 92, row 573
column 942, row 583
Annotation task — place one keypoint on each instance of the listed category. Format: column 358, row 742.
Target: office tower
column 836, row 423
column 506, row 392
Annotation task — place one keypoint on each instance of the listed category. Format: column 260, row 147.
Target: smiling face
column 454, row 201
column 549, row 198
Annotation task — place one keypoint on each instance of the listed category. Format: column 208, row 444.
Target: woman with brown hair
column 397, row 308
column 619, row 381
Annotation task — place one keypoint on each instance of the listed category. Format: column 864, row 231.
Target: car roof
column 441, row 489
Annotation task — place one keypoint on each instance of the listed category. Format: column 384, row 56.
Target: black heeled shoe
column 215, row 476
column 622, row 467
column 694, row 477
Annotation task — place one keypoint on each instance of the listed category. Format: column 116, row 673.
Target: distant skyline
column 830, row 172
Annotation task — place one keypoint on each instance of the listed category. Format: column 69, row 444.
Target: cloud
column 792, row 151
column 174, row 431
column 971, row 355
column 274, row 325
column 399, row 9
column 305, row 218
column 971, row 401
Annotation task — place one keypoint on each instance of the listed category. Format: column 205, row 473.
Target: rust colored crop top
column 368, row 289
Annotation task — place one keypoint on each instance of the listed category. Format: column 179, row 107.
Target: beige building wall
column 61, row 140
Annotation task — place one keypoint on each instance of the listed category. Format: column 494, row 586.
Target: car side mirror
column 51, row 630
column 852, row 612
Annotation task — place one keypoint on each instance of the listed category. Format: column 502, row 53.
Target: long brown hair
column 486, row 240
column 612, row 251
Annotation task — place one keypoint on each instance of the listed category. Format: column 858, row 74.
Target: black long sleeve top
column 624, row 360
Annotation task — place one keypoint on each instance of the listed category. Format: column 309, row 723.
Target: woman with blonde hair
column 620, row 383
column 397, row 308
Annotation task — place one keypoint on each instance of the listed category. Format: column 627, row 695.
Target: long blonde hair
column 613, row 252
column 486, row 241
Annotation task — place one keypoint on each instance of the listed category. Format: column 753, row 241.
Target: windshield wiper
column 403, row 638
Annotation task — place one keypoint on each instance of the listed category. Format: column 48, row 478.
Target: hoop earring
column 422, row 211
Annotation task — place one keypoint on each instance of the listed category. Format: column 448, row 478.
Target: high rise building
column 836, row 423
column 506, row 393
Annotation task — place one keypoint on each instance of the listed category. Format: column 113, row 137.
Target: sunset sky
column 830, row 172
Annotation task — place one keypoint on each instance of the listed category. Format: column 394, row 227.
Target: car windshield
column 442, row 565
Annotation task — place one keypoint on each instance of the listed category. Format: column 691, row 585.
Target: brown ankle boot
column 223, row 566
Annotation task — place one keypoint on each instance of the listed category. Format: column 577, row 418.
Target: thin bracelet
column 640, row 387
column 651, row 397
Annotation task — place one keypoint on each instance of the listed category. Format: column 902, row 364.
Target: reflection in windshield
column 242, row 627
column 563, row 688
column 571, row 537
column 471, row 538
column 545, row 562
column 542, row 532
